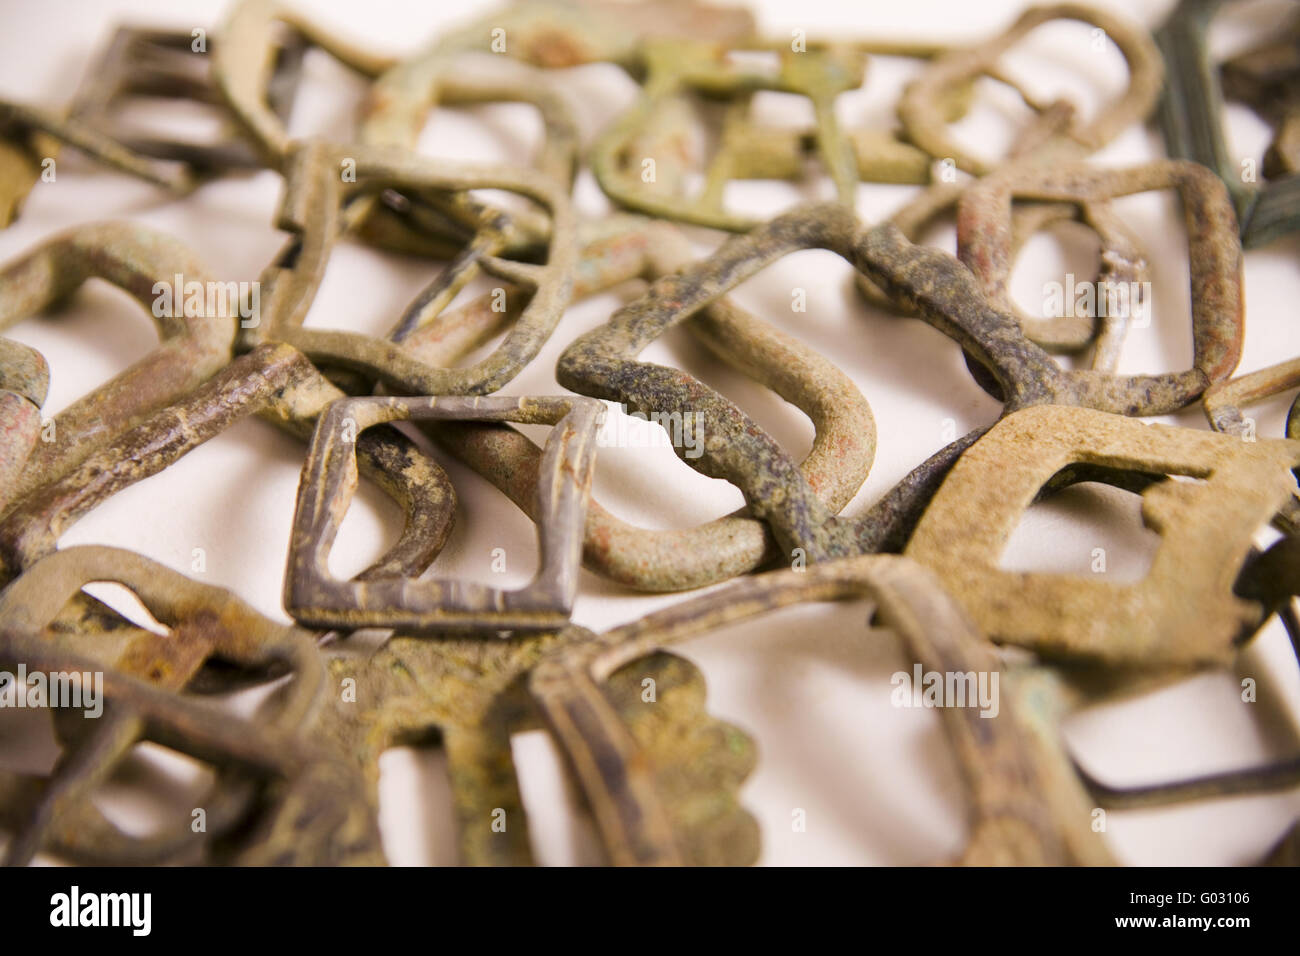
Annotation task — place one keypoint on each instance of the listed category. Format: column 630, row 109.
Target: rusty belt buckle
column 1054, row 136
column 315, row 209
column 30, row 136
column 602, row 362
column 24, row 382
column 137, row 260
column 1223, row 402
column 471, row 696
column 926, row 105
column 986, row 243
column 678, row 67
column 244, row 60
column 274, row 380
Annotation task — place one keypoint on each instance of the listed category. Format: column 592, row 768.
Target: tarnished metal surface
column 159, row 63
column 269, row 762
column 313, row 597
column 924, row 106
column 1015, row 814
column 1184, row 611
column 843, row 446
column 1191, row 117
column 30, row 135
column 266, row 380
column 399, row 656
column 314, row 209
column 135, row 259
column 471, row 696
column 24, row 380
column 603, row 364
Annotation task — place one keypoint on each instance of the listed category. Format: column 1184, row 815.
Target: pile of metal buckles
column 298, row 780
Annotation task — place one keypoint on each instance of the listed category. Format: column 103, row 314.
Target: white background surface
column 811, row 684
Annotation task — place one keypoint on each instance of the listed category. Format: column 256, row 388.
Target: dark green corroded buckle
column 1191, row 117
column 1025, row 809
column 639, row 158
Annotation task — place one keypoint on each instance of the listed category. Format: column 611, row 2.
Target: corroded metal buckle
column 1184, row 611
column 314, row 597
column 602, row 362
column 275, row 380
column 137, row 260
column 162, row 63
column 469, row 695
column 677, row 68
column 926, row 105
column 24, row 382
column 986, row 242
column 316, row 210
column 656, row 560
column 30, row 136
column 1191, row 117
column 640, row 159
column 1019, row 817
column 1054, row 136
column 244, row 59
column 1048, row 695
column 142, row 685
column 1223, row 403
